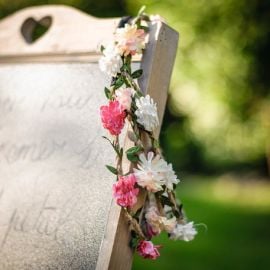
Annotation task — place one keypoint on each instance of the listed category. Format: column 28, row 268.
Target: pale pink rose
column 148, row 250
column 149, row 231
column 124, row 191
column 124, row 97
column 130, row 40
column 159, row 223
column 169, row 224
column 113, row 117
column 154, row 219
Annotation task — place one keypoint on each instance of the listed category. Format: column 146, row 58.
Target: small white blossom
column 168, row 224
column 111, row 61
column 184, row 232
column 154, row 172
column 147, row 113
column 170, row 177
column 149, row 173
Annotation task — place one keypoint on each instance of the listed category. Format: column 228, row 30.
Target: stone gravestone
column 56, row 207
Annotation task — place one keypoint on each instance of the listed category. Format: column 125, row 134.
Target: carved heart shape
column 32, row 30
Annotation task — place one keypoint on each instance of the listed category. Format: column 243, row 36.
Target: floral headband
column 149, row 173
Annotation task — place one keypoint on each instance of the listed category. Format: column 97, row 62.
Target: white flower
column 150, row 172
column 147, row 113
column 111, row 61
column 168, row 224
column 170, row 177
column 124, row 97
column 184, row 232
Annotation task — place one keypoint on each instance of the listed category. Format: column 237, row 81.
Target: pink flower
column 124, row 96
column 153, row 218
column 113, row 117
column 149, row 230
column 124, row 191
column 157, row 222
column 130, row 40
column 147, row 250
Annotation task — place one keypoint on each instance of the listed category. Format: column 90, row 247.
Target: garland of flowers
column 149, row 173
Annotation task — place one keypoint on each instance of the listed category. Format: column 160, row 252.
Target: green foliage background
column 219, row 113
column 217, row 120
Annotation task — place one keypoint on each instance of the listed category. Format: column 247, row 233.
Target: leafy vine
column 149, row 175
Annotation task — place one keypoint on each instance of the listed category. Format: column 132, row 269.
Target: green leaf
column 145, row 17
column 104, row 137
column 127, row 68
column 180, row 208
column 145, row 28
column 128, row 60
column 132, row 153
column 166, row 201
column 119, row 82
column 107, row 93
column 177, row 214
column 132, row 158
column 112, row 169
column 118, row 151
column 141, row 11
column 138, row 94
column 102, row 48
column 138, row 23
column 121, row 152
column 156, row 143
column 134, row 150
column 137, row 214
column 133, row 241
column 136, row 74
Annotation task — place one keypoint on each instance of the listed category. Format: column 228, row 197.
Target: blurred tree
column 100, row 8
column 219, row 106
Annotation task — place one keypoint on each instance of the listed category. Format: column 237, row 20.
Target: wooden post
column 157, row 64
column 74, row 37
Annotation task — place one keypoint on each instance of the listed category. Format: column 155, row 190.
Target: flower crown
column 149, row 173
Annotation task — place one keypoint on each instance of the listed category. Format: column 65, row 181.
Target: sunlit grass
column 228, row 190
column 237, row 215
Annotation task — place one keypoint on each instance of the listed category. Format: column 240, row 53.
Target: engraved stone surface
column 54, row 189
